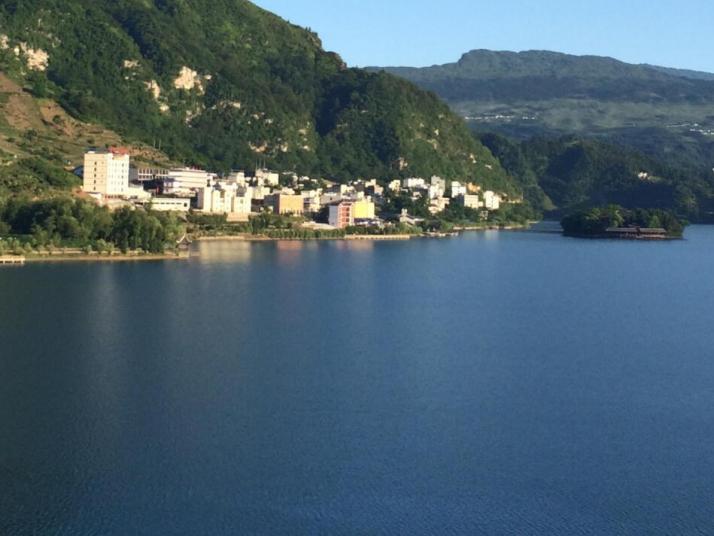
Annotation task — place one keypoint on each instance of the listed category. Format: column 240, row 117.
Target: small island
column 616, row 222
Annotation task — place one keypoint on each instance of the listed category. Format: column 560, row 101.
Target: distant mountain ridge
column 664, row 112
column 536, row 75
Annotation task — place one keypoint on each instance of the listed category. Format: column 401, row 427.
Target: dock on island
column 637, row 233
column 12, row 259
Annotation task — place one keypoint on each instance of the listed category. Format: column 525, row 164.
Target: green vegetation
column 66, row 222
column 595, row 222
column 256, row 89
column 35, row 176
column 570, row 174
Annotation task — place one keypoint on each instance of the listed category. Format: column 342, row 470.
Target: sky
column 672, row 33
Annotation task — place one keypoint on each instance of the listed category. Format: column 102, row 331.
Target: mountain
column 225, row 84
column 663, row 112
column 683, row 73
column 565, row 174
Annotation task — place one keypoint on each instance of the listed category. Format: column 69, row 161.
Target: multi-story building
column 171, row 204
column 394, row 185
column 439, row 182
column 436, row 191
column 458, row 189
column 187, row 180
column 491, row 200
column 106, row 172
column 266, row 177
column 145, row 174
column 341, row 215
column 238, row 177
column 363, row 209
column 470, row 201
column 285, row 204
column 242, row 201
column 261, row 192
column 414, row 182
column 439, row 205
column 311, row 201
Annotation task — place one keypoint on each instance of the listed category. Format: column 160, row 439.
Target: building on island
column 341, row 215
column 106, row 172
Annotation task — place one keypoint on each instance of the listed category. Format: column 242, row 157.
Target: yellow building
column 363, row 210
column 286, row 204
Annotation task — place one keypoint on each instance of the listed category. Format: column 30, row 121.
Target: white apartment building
column 267, row 178
column 261, row 192
column 458, row 189
column 438, row 182
column 395, row 186
column 491, row 200
column 436, row 191
column 414, row 182
column 149, row 174
column 171, row 204
column 311, row 201
column 224, row 198
column 186, row 180
column 439, row 205
column 470, row 201
column 106, row 172
column 238, row 177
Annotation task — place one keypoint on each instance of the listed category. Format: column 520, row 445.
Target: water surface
column 498, row 383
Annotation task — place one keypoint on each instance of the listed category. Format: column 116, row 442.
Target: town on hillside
column 110, row 179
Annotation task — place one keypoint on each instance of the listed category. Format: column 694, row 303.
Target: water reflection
column 224, row 252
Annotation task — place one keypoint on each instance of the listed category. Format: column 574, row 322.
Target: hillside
column 40, row 144
column 665, row 113
column 568, row 173
column 225, row 84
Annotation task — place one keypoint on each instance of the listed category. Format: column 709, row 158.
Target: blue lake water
column 498, row 383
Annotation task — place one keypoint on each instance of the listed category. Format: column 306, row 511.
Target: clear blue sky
column 673, row 33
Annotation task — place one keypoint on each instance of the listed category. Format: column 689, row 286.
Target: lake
column 497, row 383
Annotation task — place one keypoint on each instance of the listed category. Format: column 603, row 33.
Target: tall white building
column 106, row 172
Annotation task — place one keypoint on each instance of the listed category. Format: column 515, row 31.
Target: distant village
column 110, row 178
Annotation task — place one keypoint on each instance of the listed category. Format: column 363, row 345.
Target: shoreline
column 63, row 258
column 38, row 258
column 244, row 237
